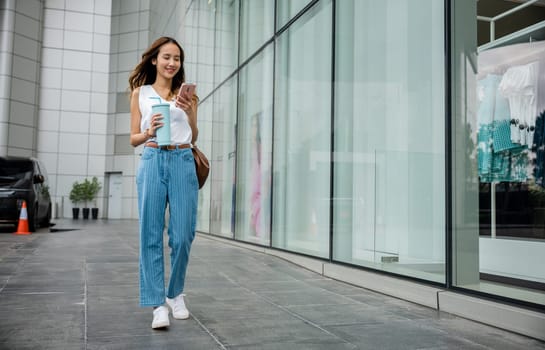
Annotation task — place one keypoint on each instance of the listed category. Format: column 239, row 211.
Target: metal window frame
column 494, row 42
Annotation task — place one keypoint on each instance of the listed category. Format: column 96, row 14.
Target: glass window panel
column 498, row 190
column 256, row 25
column 389, row 187
column 190, row 42
column 254, row 149
column 223, row 159
column 204, row 122
column 198, row 65
column 302, row 117
column 204, row 45
column 287, row 9
column 226, row 44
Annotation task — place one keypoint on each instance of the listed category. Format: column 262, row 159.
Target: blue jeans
column 165, row 176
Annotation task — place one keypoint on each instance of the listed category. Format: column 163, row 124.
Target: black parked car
column 24, row 179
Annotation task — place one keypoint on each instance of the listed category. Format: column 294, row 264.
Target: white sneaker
column 179, row 311
column 160, row 317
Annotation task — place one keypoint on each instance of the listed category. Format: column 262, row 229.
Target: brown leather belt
column 167, row 147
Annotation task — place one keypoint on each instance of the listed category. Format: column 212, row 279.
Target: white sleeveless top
column 180, row 131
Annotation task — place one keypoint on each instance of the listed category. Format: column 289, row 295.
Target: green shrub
column 86, row 191
column 77, row 193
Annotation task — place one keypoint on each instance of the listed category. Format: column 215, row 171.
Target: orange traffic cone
column 22, row 228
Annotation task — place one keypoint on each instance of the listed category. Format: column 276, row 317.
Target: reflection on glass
column 254, row 150
column 389, row 187
column 256, row 25
column 302, row 130
column 223, row 160
column 256, row 179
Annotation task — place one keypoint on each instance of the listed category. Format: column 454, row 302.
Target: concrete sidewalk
column 77, row 288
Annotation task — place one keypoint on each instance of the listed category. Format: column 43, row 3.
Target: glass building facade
column 348, row 131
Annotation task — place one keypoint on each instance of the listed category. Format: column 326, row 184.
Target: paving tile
column 8, row 266
column 159, row 341
column 37, row 344
column 29, row 302
column 402, row 335
column 225, row 295
column 484, row 335
column 319, row 344
column 267, row 330
column 218, row 312
column 114, row 258
column 278, row 286
column 112, row 273
column 304, row 297
column 344, row 314
column 120, row 290
column 48, row 327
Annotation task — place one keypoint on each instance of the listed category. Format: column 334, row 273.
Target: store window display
column 510, row 135
column 511, row 159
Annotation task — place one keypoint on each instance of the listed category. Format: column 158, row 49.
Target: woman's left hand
column 188, row 104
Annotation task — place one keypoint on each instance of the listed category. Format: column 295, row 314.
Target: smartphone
column 187, row 89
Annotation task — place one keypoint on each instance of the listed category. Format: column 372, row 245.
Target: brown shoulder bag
column 202, row 166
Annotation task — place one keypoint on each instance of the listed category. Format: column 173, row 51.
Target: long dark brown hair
column 145, row 72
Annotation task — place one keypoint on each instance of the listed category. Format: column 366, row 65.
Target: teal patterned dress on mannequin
column 499, row 158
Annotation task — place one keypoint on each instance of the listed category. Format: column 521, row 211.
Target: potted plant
column 95, row 187
column 86, row 189
column 76, row 196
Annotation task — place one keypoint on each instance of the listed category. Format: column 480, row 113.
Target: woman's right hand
column 155, row 123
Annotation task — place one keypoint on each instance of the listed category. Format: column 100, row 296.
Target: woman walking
column 166, row 175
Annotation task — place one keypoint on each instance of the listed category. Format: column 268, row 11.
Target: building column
column 7, row 20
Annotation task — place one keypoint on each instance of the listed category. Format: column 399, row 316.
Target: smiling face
column 168, row 61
